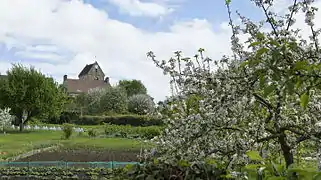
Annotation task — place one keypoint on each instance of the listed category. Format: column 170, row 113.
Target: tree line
column 30, row 94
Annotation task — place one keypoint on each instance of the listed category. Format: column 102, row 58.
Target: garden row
column 131, row 119
column 57, row 172
column 111, row 130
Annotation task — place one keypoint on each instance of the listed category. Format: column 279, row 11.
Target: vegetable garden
column 253, row 114
column 83, row 155
column 57, row 172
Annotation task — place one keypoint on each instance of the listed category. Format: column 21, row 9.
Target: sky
column 60, row 37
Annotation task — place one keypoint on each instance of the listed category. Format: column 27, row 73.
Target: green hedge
column 132, row 132
column 133, row 120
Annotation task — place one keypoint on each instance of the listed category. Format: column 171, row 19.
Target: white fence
column 46, row 128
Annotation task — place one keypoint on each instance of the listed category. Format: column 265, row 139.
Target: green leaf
column 274, row 42
column 300, row 65
column 227, row 2
column 243, row 64
column 183, row 163
column 254, row 155
column 262, row 80
column 298, row 83
column 254, row 44
column 268, row 90
column 290, row 87
column 304, row 100
column 254, row 62
column 260, row 36
column 261, row 51
column 317, row 176
column 276, row 178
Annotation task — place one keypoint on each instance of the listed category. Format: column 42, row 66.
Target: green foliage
column 155, row 169
column 100, row 101
column 67, row 130
column 92, row 132
column 28, row 91
column 140, row 104
column 269, row 168
column 114, row 99
column 60, row 173
column 133, row 120
column 3, row 90
column 133, row 87
column 132, row 132
column 109, row 100
column 65, row 117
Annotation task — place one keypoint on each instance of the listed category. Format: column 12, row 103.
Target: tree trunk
column 21, row 126
column 286, row 150
column 20, row 121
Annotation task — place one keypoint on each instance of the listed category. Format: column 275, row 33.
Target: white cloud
column 40, row 56
column 43, row 48
column 139, row 8
column 85, row 31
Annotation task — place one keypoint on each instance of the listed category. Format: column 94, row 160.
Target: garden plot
column 82, row 155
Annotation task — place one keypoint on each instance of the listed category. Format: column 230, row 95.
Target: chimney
column 106, row 80
column 65, row 77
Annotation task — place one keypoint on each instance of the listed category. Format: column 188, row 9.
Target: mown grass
column 14, row 143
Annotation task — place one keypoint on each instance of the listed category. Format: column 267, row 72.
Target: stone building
column 91, row 77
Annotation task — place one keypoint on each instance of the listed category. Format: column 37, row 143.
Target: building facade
column 91, row 77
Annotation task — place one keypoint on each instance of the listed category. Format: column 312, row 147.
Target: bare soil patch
column 84, row 156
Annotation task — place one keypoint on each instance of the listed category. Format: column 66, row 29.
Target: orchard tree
column 29, row 93
column 265, row 96
column 5, row 119
column 133, row 87
column 141, row 104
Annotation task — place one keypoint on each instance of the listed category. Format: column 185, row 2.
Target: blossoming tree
column 5, row 118
column 265, row 97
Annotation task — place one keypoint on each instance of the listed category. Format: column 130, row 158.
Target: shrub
column 65, row 117
column 92, row 133
column 133, row 120
column 132, row 132
column 140, row 104
column 67, row 130
column 157, row 169
column 148, row 132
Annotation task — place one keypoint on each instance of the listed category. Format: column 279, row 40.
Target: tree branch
column 291, row 15
column 269, row 20
column 263, row 101
column 268, row 138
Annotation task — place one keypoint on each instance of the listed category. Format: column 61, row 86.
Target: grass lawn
column 15, row 143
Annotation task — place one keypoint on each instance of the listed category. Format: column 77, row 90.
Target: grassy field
column 15, row 143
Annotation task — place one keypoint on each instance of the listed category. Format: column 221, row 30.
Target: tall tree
column 266, row 96
column 29, row 93
column 113, row 100
column 133, row 87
